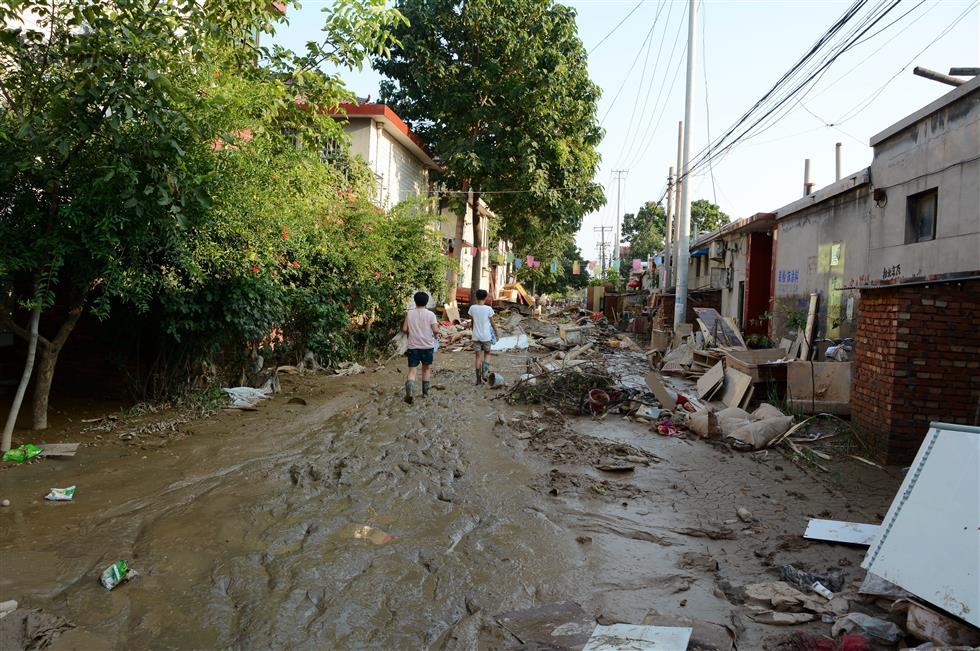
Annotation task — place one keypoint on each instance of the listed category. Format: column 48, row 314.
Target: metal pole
column 684, row 223
column 937, row 76
column 837, row 159
column 668, row 248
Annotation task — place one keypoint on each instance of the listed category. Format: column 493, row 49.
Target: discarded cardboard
column 656, row 384
column 928, row 543
column 736, row 384
column 621, row 637
column 452, row 313
column 819, row 387
column 761, row 365
column 854, row 533
column 58, row 449
column 942, row 630
column 711, row 382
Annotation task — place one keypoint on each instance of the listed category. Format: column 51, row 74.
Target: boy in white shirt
column 421, row 327
column 484, row 332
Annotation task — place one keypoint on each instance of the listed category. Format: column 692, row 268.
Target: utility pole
column 668, row 243
column 620, row 175
column 602, row 246
column 684, row 225
column 677, row 197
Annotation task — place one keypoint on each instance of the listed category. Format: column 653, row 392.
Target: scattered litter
column 769, row 601
column 371, row 534
column 932, row 626
column 246, row 397
column 873, row 627
column 114, row 575
column 59, row 449
column 629, row 637
column 5, row 502
column 350, row 368
column 519, row 342
column 495, row 380
column 720, row 533
column 666, row 427
column 7, row 607
column 833, row 579
column 822, row 590
column 853, row 533
column 744, row 514
column 27, row 628
column 61, row 494
column 23, row 453
column 876, row 586
column 757, row 435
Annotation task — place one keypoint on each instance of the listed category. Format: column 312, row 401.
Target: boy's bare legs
column 426, row 379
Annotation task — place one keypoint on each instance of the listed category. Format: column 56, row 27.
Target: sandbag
column 757, row 435
column 765, row 410
column 731, row 418
column 704, row 424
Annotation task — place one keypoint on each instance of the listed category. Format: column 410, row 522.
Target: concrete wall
column 821, row 249
column 736, row 249
column 941, row 151
column 400, row 175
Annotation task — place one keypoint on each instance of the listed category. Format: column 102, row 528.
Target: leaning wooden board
column 58, row 449
column 736, row 385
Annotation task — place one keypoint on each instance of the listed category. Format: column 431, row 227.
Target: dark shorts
column 418, row 356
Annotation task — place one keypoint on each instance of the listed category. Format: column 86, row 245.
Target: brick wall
column 916, row 360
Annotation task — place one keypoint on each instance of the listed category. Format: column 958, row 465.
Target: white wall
column 399, row 174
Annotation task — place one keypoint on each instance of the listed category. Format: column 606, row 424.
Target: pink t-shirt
column 420, row 322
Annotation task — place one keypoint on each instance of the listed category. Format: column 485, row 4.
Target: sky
column 743, row 48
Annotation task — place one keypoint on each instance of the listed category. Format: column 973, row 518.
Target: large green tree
column 103, row 108
column 500, row 90
column 707, row 217
column 644, row 230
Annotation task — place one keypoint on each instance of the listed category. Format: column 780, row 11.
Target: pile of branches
column 568, row 389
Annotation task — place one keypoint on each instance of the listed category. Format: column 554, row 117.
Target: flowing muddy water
column 361, row 522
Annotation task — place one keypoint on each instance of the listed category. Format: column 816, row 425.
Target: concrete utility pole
column 620, row 175
column 677, row 199
column 837, row 160
column 668, row 243
column 602, row 246
column 684, row 223
column 807, row 183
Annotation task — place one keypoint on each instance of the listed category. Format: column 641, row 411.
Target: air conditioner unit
column 717, row 251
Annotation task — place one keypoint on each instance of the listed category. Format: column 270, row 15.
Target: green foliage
column 559, row 247
column 155, row 161
column 644, row 231
column 707, row 217
column 500, row 90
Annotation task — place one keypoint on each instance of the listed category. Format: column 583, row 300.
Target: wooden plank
column 811, row 316
column 744, row 405
column 58, row 449
column 736, row 384
column 663, row 396
column 718, row 329
column 711, row 381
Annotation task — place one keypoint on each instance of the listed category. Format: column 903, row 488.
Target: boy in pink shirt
column 421, row 327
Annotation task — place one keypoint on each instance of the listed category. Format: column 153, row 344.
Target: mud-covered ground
column 357, row 521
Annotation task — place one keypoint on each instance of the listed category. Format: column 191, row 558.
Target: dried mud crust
column 549, row 436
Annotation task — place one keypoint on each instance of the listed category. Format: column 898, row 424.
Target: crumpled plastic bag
column 879, row 629
column 25, row 452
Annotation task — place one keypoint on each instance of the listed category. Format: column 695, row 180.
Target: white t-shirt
column 420, row 322
column 482, row 330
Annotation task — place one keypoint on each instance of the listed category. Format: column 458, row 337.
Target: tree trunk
column 460, row 232
column 42, row 385
column 25, row 378
column 477, row 274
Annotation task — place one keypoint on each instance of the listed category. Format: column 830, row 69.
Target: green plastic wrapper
column 23, row 453
column 114, row 575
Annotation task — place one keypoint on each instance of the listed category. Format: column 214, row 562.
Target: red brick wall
column 916, row 360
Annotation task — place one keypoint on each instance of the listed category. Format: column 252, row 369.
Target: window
column 920, row 216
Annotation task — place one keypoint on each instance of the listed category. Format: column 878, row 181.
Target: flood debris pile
column 581, row 389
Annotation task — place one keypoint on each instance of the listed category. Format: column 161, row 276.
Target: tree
column 100, row 105
column 561, row 247
column 644, row 230
column 500, row 90
column 707, row 217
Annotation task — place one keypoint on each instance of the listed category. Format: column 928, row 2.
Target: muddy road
column 356, row 521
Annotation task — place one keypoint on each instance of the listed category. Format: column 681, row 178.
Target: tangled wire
column 582, row 389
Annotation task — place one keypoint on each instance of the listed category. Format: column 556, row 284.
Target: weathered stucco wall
column 736, row 251
column 821, row 249
column 939, row 151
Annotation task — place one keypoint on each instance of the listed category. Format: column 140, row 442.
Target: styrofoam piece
column 509, row 343
column 928, row 543
column 633, row 637
column 854, row 533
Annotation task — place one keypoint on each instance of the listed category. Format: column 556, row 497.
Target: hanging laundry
column 576, row 268
column 518, row 263
column 554, row 266
column 637, row 264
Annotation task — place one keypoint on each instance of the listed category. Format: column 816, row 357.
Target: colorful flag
column 637, row 264
column 554, row 266
column 518, row 263
column 576, row 268
column 474, row 251
column 615, row 265
column 530, row 260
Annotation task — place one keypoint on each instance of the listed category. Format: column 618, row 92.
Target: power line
column 618, row 25
column 628, row 73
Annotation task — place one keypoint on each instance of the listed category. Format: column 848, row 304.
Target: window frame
column 913, row 215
